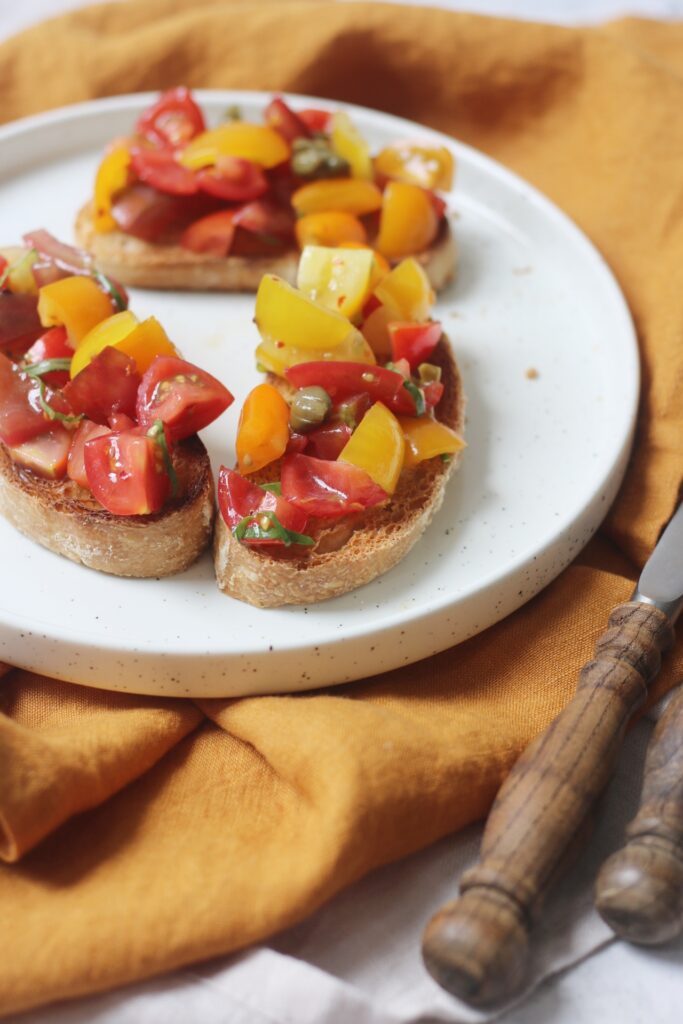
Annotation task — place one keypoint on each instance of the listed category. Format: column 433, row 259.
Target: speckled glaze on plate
column 549, row 359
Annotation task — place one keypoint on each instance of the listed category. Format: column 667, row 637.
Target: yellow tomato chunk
column 112, row 176
column 344, row 194
column 350, row 145
column 332, row 228
column 143, row 342
column 375, row 330
column 425, row 438
column 263, row 431
column 377, row 446
column 416, row 164
column 275, row 357
column 406, row 292
column 76, row 303
column 340, row 279
column 255, row 142
column 286, row 315
column 408, row 222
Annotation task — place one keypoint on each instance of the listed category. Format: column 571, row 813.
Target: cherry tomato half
column 283, row 119
column 414, row 342
column 108, row 384
column 212, row 234
column 239, row 497
column 19, row 322
column 21, row 416
column 184, row 397
column 316, row 120
column 45, row 454
column 265, row 219
column 126, row 473
column 342, row 379
column 75, row 467
column 53, row 344
column 326, row 442
column 328, row 489
column 234, row 179
column 160, row 169
column 173, row 120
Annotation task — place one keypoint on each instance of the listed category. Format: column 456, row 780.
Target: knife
column 639, row 890
column 476, row 946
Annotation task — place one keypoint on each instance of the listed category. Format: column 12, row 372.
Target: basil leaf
column 53, row 414
column 274, row 488
column 158, row 434
column 417, row 395
column 107, row 285
column 249, row 528
column 46, row 366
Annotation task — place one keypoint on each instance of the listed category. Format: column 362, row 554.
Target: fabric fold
column 64, row 749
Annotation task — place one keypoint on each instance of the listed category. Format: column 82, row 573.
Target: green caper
column 315, row 158
column 309, row 408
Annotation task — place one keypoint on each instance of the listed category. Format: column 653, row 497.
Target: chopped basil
column 158, row 434
column 417, row 395
column 46, row 366
column 53, row 414
column 274, row 488
column 446, row 457
column 108, row 285
column 250, row 528
column 233, row 113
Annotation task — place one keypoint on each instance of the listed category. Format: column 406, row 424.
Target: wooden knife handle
column 639, row 891
column 476, row 946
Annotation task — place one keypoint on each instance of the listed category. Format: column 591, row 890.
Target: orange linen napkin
column 179, row 831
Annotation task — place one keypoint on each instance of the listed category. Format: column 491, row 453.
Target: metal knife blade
column 661, row 581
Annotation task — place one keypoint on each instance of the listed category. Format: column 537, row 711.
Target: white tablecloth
column 357, row 960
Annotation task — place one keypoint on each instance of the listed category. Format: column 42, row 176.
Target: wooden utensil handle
column 639, row 891
column 476, row 946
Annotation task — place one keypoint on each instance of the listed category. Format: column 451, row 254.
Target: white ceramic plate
column 545, row 458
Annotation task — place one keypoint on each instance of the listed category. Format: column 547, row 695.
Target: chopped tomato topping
column 21, row 415
column 181, row 395
column 19, row 322
column 45, row 454
column 327, row 442
column 342, row 379
column 414, row 342
column 53, row 344
column 75, row 468
column 173, row 120
column 328, row 489
column 238, row 498
column 126, row 473
column 283, row 119
column 234, row 179
column 160, row 169
column 108, row 384
column 316, row 120
column 212, row 234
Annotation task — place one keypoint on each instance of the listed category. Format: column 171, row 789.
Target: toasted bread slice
column 353, row 551
column 65, row 518
column 146, row 265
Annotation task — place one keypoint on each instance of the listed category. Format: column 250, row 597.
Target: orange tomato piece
column 347, row 194
column 331, row 229
column 408, row 222
column 425, row 438
column 143, row 342
column 76, row 303
column 263, row 431
column 406, row 291
column 411, row 162
column 375, row 330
